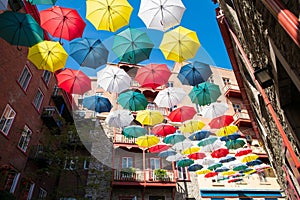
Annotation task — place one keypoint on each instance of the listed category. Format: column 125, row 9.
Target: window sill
column 23, row 152
column 5, row 135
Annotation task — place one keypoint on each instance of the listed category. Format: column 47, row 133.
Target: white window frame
column 237, row 107
column 180, row 173
column 25, row 78
column 154, row 160
column 86, row 164
column 71, row 163
column 46, row 76
column 14, row 184
column 25, row 138
column 7, row 118
column 42, row 193
column 30, row 192
column 226, row 80
column 126, row 165
column 170, row 83
column 38, row 99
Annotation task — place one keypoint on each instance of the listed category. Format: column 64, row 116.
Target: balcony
column 242, row 119
column 231, row 90
column 51, row 119
column 62, row 102
column 39, row 156
column 121, row 140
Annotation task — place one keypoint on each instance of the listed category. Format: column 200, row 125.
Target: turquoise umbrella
column 134, row 131
column 34, row 2
column 235, row 144
column 205, row 93
column 214, row 166
column 132, row 46
column 185, row 162
column 174, row 138
column 207, row 141
column 132, row 101
column 167, row 153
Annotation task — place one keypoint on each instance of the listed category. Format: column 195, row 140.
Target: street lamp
column 263, row 77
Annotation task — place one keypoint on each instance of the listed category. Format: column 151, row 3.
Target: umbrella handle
column 19, row 49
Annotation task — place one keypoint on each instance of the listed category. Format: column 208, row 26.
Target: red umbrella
column 159, row 148
column 211, row 174
column 163, row 129
column 235, row 180
column 197, row 156
column 153, row 75
column 243, row 152
column 182, row 114
column 73, row 81
column 221, row 121
column 219, row 153
column 62, row 22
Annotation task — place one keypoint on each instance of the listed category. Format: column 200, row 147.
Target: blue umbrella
column 233, row 136
column 167, row 153
column 97, row 103
column 222, row 169
column 195, row 167
column 254, row 162
column 88, row 52
column 194, row 73
column 199, row 135
column 227, row 159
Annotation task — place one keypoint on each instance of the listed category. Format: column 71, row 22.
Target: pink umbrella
column 221, row 121
column 182, row 114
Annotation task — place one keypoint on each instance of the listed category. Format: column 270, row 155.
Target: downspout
column 268, row 104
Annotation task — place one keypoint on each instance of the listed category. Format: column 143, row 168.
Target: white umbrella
column 113, row 79
column 207, row 161
column 119, row 118
column 214, row 110
column 211, row 147
column 169, row 97
column 175, row 157
column 3, row 4
column 179, row 146
column 161, row 14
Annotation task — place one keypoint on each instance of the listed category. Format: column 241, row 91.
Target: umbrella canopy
column 240, row 167
column 233, row 136
column 190, row 150
column 209, row 148
column 185, row 162
column 205, row 93
column 147, row 141
column 169, row 97
column 149, row 117
column 97, row 103
column 179, row 146
column 214, row 110
column 46, row 2
column 221, row 121
column 62, row 22
column 235, row 180
column 219, row 153
column 134, row 131
column 194, row 73
column 191, row 126
column 167, row 153
column 3, row 4
column 207, row 141
column 132, row 46
column 254, row 162
column 158, row 148
column 73, row 81
column 179, row 44
column 109, row 15
column 235, row 144
column 197, row 156
column 132, row 100
column 20, row 29
column 48, row 55
column 174, row 138
column 227, row 130
column 161, row 15
column 195, row 167
column 249, row 158
column 199, row 135
column 119, row 118
column 153, row 75
column 222, row 169
column 163, row 129
column 214, row 166
column 113, row 79
column 207, row 161
column 227, row 159
column 175, row 157
column 202, row 171
column 182, row 114
column 262, row 167
column 242, row 152
column 88, row 52
column 228, row 173
column 210, row 174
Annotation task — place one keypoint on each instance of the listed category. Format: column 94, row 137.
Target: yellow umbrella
column 203, row 171
column 179, row 44
column 147, row 141
column 149, row 117
column 228, row 173
column 250, row 157
column 191, row 126
column 227, row 130
column 48, row 55
column 108, row 15
column 190, row 150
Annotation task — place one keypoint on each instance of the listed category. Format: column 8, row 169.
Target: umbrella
column 34, row 2
column 228, row 173
column 132, row 100
column 134, row 131
column 197, row 156
column 153, row 75
column 108, row 15
column 214, row 166
column 249, row 158
column 235, row 180
column 88, row 52
column 219, row 153
column 132, row 46
column 208, row 161
column 97, row 103
column 210, row 174
column 149, row 117
column 179, row 44
column 222, row 169
column 73, row 81
column 159, row 148
column 227, row 159
column 227, row 130
column 242, row 152
column 182, row 114
column 175, row 157
column 202, row 171
column 205, row 93
column 179, row 146
column 48, row 55
column 169, row 97
column 185, row 162
column 174, row 138
column 199, row 135
column 20, row 29
column 233, row 136
column 147, row 141
column 221, row 121
column 214, row 110
column 163, row 129
column 190, row 150
column 191, row 126
column 240, row 167
column 167, row 153
column 119, row 118
column 3, row 4
column 207, row 141
column 194, row 73
column 209, row 148
column 62, row 22
column 113, row 79
column 262, row 167
column 235, row 144
column 161, row 15
column 195, row 167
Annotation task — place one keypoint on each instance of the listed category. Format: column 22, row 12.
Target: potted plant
column 128, row 172
column 160, row 174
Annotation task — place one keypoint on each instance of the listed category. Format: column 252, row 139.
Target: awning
column 240, row 194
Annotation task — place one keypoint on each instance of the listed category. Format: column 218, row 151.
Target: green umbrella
column 235, row 144
column 134, row 131
column 34, row 2
column 207, row 141
column 205, row 93
column 20, row 29
column 185, row 162
column 240, row 167
column 132, row 101
column 214, row 166
column 132, row 46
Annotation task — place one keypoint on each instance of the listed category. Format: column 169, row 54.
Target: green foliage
column 160, row 173
column 129, row 170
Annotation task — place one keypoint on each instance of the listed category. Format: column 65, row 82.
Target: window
column 211, row 79
column 154, row 163
column 38, row 99
column 237, row 107
column 46, row 76
column 25, row 138
column 7, row 119
column 199, row 108
column 25, row 78
column 99, row 94
column 42, row 193
column 127, row 162
column 11, row 181
column 170, row 84
column 156, row 198
column 70, row 163
column 226, row 81
column 182, row 173
column 86, row 164
column 30, row 192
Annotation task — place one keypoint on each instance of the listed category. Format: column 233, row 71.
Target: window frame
column 6, row 119
column 30, row 192
column 42, row 193
column 71, row 163
column 47, row 78
column 24, row 87
column 155, row 159
column 226, row 80
column 127, row 166
column 25, row 141
column 237, row 109
column 40, row 102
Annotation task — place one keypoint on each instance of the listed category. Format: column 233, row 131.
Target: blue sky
column 199, row 16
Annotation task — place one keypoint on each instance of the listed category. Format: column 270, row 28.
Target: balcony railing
column 62, row 102
column 232, row 90
column 51, row 118
column 119, row 138
column 241, row 115
column 154, row 107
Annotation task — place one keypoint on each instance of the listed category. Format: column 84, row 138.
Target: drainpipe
column 285, row 18
column 268, row 104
